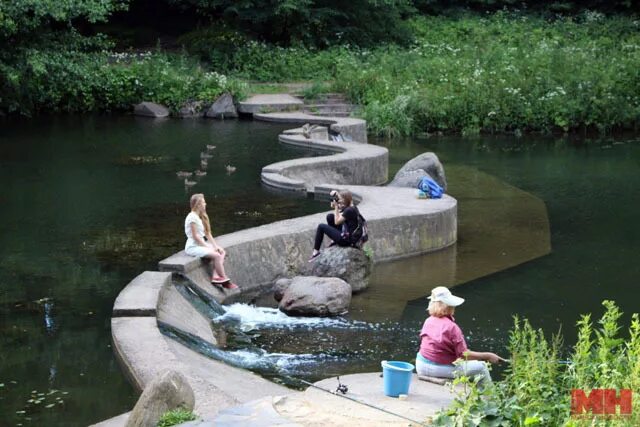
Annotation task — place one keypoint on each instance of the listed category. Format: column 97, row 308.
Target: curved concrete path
column 399, row 223
column 318, row 408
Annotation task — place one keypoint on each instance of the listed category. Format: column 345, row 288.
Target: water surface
column 87, row 204
column 547, row 230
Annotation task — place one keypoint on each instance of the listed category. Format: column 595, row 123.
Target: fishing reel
column 342, row 388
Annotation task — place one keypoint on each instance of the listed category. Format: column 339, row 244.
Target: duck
column 205, row 156
column 188, row 183
column 204, row 163
column 210, row 147
column 230, row 169
column 200, row 173
column 184, row 174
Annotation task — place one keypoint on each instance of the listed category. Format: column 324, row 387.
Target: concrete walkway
column 402, row 226
column 318, row 408
column 269, row 103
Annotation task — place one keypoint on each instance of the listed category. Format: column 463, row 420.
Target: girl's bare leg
column 217, row 262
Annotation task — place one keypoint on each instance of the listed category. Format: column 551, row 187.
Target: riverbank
column 502, row 72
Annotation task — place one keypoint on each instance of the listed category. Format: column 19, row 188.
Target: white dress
column 191, row 247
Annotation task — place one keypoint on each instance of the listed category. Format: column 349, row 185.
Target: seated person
column 442, row 343
column 200, row 242
column 344, row 213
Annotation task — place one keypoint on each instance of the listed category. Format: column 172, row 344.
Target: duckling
column 200, row 173
column 211, row 147
column 183, row 174
column 205, row 156
column 188, row 183
column 230, row 169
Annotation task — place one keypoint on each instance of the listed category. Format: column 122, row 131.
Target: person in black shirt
column 340, row 224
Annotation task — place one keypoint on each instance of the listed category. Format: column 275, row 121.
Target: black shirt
column 350, row 215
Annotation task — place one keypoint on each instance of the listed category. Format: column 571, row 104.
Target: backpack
column 360, row 235
column 431, row 188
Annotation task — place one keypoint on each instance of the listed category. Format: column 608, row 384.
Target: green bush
column 537, row 387
column 71, row 81
column 176, row 416
column 504, row 72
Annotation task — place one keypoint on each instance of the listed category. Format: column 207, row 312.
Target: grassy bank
column 502, row 72
column 537, row 388
column 72, row 81
column 497, row 73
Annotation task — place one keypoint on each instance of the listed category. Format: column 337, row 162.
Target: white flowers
column 119, row 57
column 558, row 91
column 219, row 79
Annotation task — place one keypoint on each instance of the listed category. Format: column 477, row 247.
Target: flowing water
column 547, row 230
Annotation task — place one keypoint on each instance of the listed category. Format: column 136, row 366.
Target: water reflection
column 85, row 206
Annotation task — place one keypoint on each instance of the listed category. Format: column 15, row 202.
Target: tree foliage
column 313, row 22
column 19, row 17
column 562, row 6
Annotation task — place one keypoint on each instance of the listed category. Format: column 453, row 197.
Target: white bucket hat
column 444, row 295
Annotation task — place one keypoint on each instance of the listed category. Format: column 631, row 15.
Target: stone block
column 169, row 390
column 150, row 109
column 222, row 108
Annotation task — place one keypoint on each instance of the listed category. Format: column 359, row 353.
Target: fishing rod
column 560, row 362
column 341, row 392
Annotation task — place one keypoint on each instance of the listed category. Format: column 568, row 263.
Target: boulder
column 409, row 178
column 150, row 109
column 349, row 264
column 191, row 109
column 223, row 108
column 428, row 163
column 316, row 296
column 280, row 287
column 169, row 390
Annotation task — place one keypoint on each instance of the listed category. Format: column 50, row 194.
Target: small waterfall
column 254, row 338
column 250, row 318
column 337, row 137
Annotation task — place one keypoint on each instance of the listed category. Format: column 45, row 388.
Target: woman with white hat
column 442, row 343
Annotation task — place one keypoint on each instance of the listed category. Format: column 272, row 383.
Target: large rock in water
column 426, row 164
column 223, row 108
column 349, row 264
column 150, row 109
column 316, row 296
column 169, row 390
column 280, row 287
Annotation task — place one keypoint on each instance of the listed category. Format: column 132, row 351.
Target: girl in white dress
column 200, row 242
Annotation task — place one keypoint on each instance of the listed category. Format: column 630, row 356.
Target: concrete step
column 330, row 98
column 328, row 113
column 326, row 109
column 333, row 106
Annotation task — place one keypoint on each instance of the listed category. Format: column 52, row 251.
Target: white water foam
column 252, row 317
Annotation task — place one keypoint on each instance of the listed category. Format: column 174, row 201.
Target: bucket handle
column 394, row 368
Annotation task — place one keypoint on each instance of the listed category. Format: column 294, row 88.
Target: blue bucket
column 397, row 377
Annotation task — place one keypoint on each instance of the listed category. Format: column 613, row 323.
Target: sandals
column 230, row 286
column 223, row 283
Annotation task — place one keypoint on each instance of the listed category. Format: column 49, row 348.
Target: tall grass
column 502, row 72
column 537, row 387
column 505, row 73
